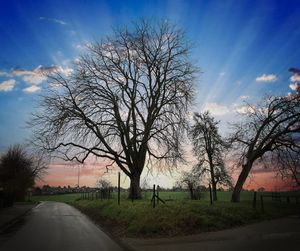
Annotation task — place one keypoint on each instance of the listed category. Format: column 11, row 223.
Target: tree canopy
column 127, row 101
column 18, row 171
column 209, row 148
column 269, row 131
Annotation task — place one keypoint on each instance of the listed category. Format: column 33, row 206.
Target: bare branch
column 126, row 101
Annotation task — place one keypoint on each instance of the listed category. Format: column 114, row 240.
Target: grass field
column 67, row 198
column 178, row 216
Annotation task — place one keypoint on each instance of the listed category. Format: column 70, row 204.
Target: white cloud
column 4, row 74
column 216, row 109
column 40, row 70
column 31, row 89
column 245, row 109
column 34, row 79
column 295, row 78
column 220, row 110
column 39, row 74
column 244, row 97
column 266, row 78
column 79, row 47
column 45, row 69
column 295, row 87
column 54, row 20
column 20, row 72
column 7, row 85
column 54, row 86
column 61, row 61
column 77, row 60
column 65, row 70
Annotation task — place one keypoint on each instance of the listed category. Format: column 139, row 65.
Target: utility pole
column 78, row 176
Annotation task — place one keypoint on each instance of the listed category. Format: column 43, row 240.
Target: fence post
column 279, row 196
column 153, row 197
column 157, row 193
column 210, row 195
column 254, row 201
column 262, row 204
column 119, row 188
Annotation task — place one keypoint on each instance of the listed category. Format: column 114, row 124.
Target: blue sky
column 244, row 48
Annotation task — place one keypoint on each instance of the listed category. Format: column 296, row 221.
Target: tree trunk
column 135, row 190
column 214, row 188
column 191, row 192
column 213, row 182
column 240, row 182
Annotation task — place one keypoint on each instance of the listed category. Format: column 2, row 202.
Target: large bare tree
column 268, row 131
column 209, row 148
column 127, row 101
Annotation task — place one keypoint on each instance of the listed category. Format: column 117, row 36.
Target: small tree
column 127, row 101
column 18, row 171
column 269, row 131
column 190, row 180
column 209, row 147
column 105, row 188
column 103, row 184
column 261, row 189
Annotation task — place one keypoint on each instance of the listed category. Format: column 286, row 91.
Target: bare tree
column 103, row 183
column 288, row 165
column 190, row 180
column 269, row 131
column 209, row 147
column 127, row 101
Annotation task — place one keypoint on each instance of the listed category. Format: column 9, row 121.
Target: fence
column 275, row 197
column 102, row 194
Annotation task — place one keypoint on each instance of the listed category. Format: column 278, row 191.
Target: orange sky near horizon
column 64, row 175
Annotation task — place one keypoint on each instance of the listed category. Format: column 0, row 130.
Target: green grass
column 67, row 198
column 179, row 216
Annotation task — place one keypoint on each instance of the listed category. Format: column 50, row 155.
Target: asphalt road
column 54, row 226
column 274, row 235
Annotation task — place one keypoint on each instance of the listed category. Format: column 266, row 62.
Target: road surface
column 274, row 235
column 54, row 226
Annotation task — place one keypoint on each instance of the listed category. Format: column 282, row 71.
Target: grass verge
column 176, row 217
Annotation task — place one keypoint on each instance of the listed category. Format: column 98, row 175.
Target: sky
column 243, row 48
